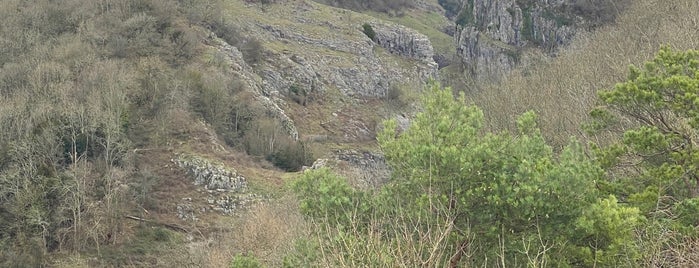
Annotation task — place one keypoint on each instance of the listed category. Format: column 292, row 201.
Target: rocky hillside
column 312, row 52
column 313, row 56
column 183, row 115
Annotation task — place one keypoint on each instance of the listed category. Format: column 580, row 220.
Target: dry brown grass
column 267, row 232
column 668, row 249
column 564, row 90
column 403, row 240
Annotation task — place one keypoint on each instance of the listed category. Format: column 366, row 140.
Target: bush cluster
column 368, row 31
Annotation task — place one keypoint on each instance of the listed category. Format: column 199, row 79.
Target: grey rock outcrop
column 211, row 176
column 359, row 71
column 491, row 40
column 404, row 41
column 485, row 58
column 364, row 169
column 216, row 201
column 223, row 190
column 228, row 204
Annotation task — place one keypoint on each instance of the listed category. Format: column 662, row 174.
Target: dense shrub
column 398, row 97
column 269, row 140
column 252, row 51
column 325, row 195
column 226, row 31
column 291, row 156
column 251, row 48
column 369, row 31
column 299, row 94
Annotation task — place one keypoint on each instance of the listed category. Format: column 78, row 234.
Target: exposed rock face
column 357, row 71
column 404, row 41
column 224, row 189
column 310, row 49
column 211, row 176
column 364, row 169
column 483, row 57
column 491, row 40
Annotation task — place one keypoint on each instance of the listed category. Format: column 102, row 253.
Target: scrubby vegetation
column 84, row 86
column 368, row 31
column 461, row 196
column 598, row 12
column 604, row 173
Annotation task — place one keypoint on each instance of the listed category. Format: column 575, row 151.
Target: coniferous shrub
column 291, row 156
column 369, row 31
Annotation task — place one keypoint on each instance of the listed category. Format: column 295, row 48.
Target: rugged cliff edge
column 492, row 37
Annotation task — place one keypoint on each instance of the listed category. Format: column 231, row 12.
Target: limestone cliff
column 493, row 33
column 349, row 62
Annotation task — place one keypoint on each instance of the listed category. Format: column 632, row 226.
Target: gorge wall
column 492, row 36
